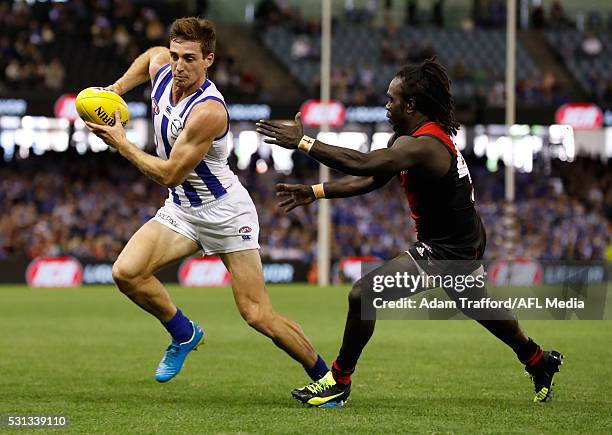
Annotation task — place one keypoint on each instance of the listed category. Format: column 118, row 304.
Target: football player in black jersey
column 438, row 187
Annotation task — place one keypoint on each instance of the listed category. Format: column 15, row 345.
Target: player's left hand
column 112, row 135
column 287, row 135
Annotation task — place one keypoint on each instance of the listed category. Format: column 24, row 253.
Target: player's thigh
column 246, row 272
column 151, row 248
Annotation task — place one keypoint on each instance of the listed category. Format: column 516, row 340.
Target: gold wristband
column 306, row 143
column 318, row 190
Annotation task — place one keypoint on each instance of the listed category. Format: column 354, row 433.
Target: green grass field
column 90, row 354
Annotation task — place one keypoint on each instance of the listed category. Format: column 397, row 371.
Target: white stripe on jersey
column 212, row 176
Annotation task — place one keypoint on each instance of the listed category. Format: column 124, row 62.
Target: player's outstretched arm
column 142, row 70
column 207, row 121
column 404, row 153
column 295, row 195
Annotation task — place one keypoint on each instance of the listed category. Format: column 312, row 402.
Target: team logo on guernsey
column 154, row 106
column 176, row 126
column 245, row 232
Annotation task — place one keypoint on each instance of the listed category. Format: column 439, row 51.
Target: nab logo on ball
column 99, row 106
column 105, row 117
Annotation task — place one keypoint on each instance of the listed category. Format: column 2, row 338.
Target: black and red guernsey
column 443, row 207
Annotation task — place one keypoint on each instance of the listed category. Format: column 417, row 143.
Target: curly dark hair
column 428, row 86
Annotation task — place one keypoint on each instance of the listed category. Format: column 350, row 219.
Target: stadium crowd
column 32, row 35
column 356, row 83
column 89, row 207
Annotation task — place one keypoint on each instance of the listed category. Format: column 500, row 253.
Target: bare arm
column 142, row 69
column 207, row 121
column 405, row 152
column 295, row 195
column 353, row 186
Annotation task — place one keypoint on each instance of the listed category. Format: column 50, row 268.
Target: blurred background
column 63, row 193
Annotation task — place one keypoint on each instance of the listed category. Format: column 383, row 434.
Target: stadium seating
column 95, row 217
column 592, row 72
column 482, row 52
column 94, row 52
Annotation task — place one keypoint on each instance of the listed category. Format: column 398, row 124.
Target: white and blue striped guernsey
column 211, row 178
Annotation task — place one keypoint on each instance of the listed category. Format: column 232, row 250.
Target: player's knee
column 258, row 318
column 124, row 276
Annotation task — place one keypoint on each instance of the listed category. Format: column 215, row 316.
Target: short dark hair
column 428, row 86
column 195, row 29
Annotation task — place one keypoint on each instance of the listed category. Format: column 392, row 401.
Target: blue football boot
column 173, row 360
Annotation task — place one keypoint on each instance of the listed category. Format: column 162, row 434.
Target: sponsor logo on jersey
column 154, row 106
column 176, row 126
column 168, row 110
column 462, row 167
column 426, row 246
column 167, row 218
column 245, row 232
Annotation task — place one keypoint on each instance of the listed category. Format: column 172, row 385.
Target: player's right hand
column 113, row 88
column 294, row 195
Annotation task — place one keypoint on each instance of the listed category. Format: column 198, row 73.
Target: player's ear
column 410, row 105
column 209, row 59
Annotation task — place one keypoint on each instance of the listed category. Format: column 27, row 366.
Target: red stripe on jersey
column 433, row 129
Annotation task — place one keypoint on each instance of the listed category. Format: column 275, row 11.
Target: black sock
column 529, row 353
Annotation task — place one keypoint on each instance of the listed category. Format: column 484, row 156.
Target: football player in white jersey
column 207, row 210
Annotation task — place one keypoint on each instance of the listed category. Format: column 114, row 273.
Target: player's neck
column 179, row 93
column 416, row 123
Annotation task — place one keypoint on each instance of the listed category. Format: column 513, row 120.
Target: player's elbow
column 172, row 181
column 170, row 178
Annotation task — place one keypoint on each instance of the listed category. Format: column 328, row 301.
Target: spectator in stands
column 412, row 13
column 557, row 17
column 54, row 75
column 55, row 207
column 459, row 71
column 29, row 43
column 387, row 54
column 301, row 48
column 606, row 94
column 591, row 45
column 538, row 17
column 437, row 13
